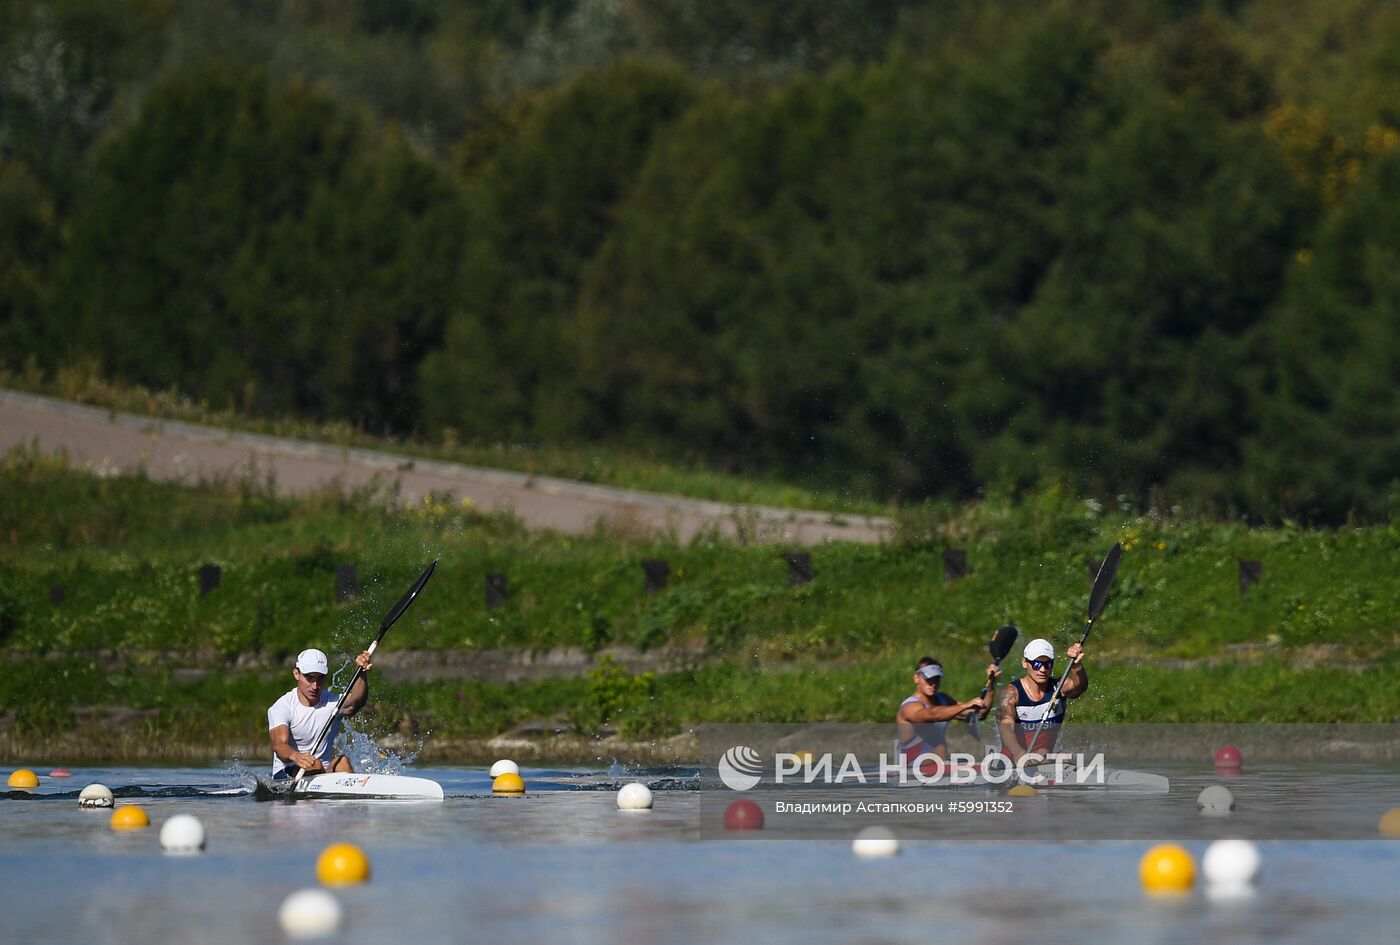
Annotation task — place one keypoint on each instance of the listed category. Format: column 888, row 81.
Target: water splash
column 369, row 758
column 243, row 775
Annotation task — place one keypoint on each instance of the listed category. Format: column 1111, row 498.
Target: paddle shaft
column 1050, row 706
column 1098, row 598
column 1001, row 644
column 389, row 621
column 991, row 677
column 972, row 718
column 359, row 671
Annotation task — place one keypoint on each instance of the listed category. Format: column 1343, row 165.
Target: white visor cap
column 930, row 672
column 1038, row 649
column 312, row 661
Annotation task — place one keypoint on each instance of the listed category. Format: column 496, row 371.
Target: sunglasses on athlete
column 1042, row 664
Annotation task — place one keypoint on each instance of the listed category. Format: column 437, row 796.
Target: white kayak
column 1092, row 777
column 349, row 786
column 1144, row 781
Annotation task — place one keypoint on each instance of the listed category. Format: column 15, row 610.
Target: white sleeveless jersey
column 305, row 723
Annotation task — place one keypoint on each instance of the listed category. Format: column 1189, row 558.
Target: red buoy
column 60, row 773
column 743, row 815
column 1228, row 756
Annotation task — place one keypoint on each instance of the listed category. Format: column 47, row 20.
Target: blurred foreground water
column 563, row 864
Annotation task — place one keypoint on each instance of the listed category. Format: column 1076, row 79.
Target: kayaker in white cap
column 922, row 721
column 1026, row 701
column 295, row 720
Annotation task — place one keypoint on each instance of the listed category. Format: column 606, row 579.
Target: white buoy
column 95, row 796
column 182, row 833
column 634, row 796
column 1230, row 864
column 504, row 766
column 1215, row 801
column 310, row 912
column 873, row 842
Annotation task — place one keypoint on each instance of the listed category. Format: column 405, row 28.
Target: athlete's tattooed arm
column 1006, row 723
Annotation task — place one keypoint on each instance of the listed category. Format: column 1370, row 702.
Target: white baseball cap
column 1038, row 648
column 930, row 671
column 312, row 661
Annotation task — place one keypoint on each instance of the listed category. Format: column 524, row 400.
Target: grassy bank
column 1178, row 642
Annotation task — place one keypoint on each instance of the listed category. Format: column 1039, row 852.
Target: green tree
column 715, row 316
column 540, row 208
column 253, row 244
column 65, row 65
column 731, row 36
column 28, row 247
column 1327, row 447
column 802, row 281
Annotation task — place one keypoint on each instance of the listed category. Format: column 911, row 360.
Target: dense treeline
column 907, row 248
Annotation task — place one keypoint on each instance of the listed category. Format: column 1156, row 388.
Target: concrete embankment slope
column 176, row 451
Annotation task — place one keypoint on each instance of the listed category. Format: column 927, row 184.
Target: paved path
column 171, row 450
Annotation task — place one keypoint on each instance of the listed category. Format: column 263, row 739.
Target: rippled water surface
column 563, row 864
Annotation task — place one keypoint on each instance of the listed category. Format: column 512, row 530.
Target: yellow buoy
column 1390, row 822
column 1022, row 790
column 508, row 783
column 24, row 778
column 342, row 864
column 129, row 817
column 1167, row 868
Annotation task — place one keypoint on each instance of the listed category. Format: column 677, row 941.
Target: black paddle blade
column 1002, row 641
column 407, row 599
column 1099, row 596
